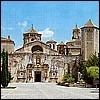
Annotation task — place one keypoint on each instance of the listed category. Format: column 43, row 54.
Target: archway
column 37, row 48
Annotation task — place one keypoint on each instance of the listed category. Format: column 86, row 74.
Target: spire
column 89, row 19
column 31, row 30
column 76, row 25
column 32, row 26
column 76, row 32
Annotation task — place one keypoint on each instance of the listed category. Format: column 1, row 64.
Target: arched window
column 32, row 39
column 37, row 48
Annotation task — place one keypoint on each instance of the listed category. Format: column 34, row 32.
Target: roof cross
column 32, row 25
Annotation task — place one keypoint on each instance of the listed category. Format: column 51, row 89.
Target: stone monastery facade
column 37, row 61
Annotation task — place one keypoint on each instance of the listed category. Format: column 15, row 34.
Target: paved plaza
column 40, row 90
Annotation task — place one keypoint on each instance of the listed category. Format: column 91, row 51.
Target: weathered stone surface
column 47, row 91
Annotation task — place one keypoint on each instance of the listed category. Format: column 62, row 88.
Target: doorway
column 37, row 76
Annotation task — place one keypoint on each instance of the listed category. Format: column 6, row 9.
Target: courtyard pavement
column 40, row 90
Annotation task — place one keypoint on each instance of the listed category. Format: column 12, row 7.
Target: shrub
column 70, row 80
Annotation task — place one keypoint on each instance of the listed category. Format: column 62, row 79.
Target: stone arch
column 37, row 48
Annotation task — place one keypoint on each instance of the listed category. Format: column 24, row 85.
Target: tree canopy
column 5, row 74
column 93, row 72
column 90, row 70
column 92, row 61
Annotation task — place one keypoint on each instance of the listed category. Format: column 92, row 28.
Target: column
column 32, row 75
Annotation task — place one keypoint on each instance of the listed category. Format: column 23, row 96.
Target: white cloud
column 10, row 28
column 6, row 28
column 24, row 24
column 19, row 23
column 46, row 33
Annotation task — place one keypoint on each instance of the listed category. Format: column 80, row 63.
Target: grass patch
column 8, row 87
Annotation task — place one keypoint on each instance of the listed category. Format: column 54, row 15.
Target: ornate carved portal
column 37, row 73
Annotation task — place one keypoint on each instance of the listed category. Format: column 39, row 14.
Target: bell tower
column 31, row 35
column 90, row 39
column 76, row 33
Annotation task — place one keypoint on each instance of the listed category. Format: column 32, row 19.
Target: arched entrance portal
column 37, row 76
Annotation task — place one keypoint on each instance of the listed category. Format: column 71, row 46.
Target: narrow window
column 38, row 60
column 53, row 46
column 50, row 45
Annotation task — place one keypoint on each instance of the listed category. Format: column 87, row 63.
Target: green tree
column 92, row 61
column 86, row 77
column 93, row 72
column 5, row 74
column 4, row 70
column 8, row 73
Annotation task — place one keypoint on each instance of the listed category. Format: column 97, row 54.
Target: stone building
column 37, row 61
column 90, row 39
column 74, row 46
column 7, row 44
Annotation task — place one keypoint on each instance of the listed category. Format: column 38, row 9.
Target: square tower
column 90, row 39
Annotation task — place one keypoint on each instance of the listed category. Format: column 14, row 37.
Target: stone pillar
column 32, row 75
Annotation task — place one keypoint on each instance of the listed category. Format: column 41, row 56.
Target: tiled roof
column 51, row 41
column 31, row 30
column 5, row 39
column 89, row 24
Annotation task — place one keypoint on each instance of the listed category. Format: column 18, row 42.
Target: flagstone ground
column 40, row 90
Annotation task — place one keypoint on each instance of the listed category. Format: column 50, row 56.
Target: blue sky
column 54, row 19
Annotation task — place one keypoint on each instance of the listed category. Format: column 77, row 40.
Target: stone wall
column 9, row 46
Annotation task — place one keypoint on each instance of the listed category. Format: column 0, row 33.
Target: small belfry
column 31, row 35
column 76, row 32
